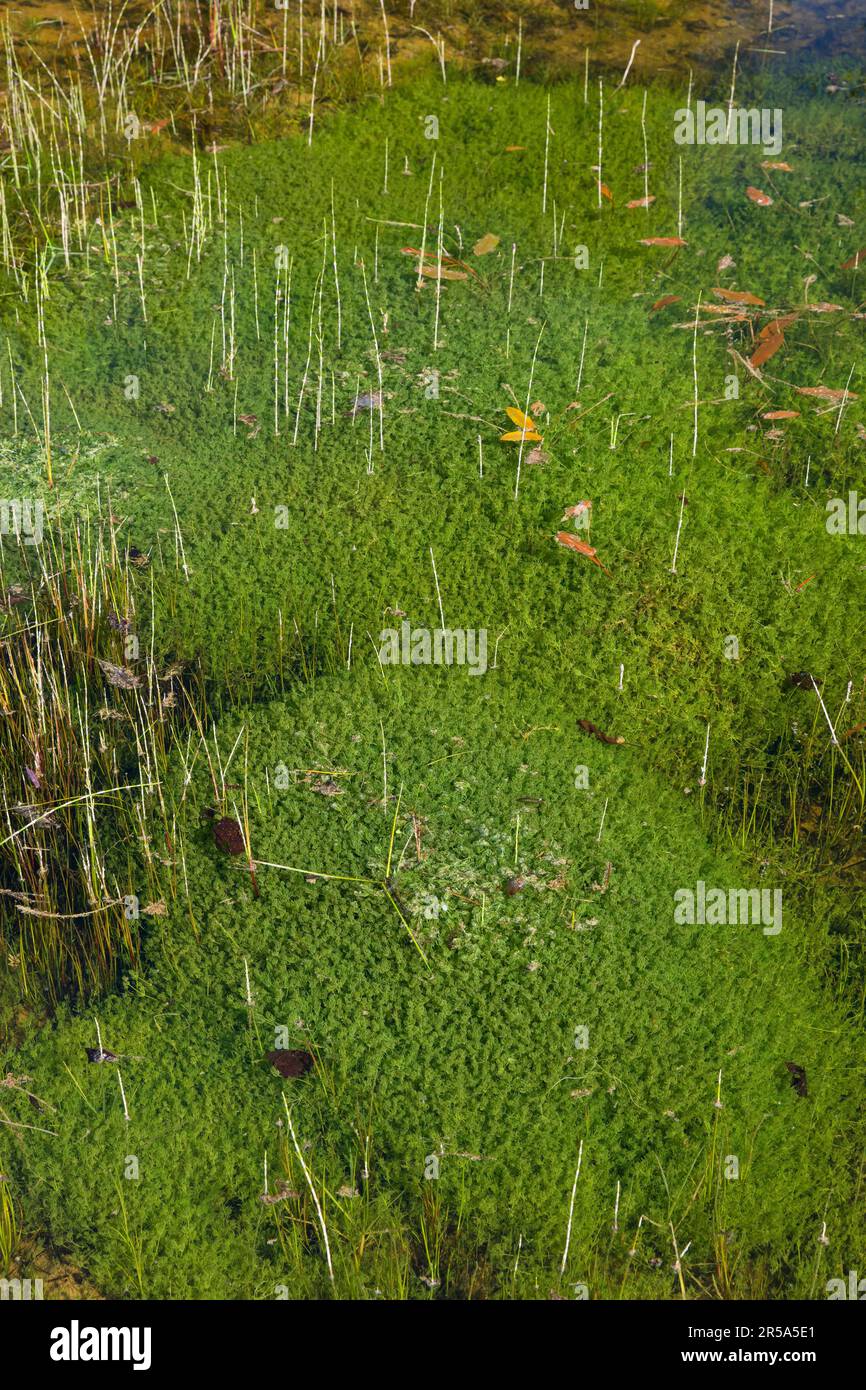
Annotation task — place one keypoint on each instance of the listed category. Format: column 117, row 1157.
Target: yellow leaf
column 519, row 418
column 485, row 245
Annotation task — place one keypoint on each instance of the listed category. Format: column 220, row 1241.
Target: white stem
column 571, row 1210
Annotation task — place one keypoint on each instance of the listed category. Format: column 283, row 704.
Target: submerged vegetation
column 327, row 972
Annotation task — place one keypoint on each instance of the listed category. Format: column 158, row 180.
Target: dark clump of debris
column 228, row 835
column 290, row 1061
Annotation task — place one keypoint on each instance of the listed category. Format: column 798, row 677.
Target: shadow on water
column 674, row 35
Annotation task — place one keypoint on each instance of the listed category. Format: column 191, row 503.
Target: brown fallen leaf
column 855, row 261
column 738, row 297
column 826, row 393
column 662, row 241
column 431, row 259
column 642, row 202
column 664, row 302
column 781, row 415
column 777, row 166
column 486, row 244
column 767, row 349
column 574, row 543
column 762, row 199
column 732, row 312
column 777, row 325
column 590, row 728
column 726, row 263
column 443, row 272
column 512, row 149
column 822, row 307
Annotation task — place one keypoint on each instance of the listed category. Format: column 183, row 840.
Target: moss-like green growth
column 324, row 423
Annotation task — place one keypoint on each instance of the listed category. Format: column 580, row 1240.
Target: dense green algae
column 476, row 1056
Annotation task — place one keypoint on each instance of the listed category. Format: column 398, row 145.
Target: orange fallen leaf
column 777, row 325
column 662, row 241
column 512, row 149
column 577, row 510
column 767, row 349
column 486, row 244
column 855, row 261
column 804, row 583
column 575, row 543
column 642, row 202
column 526, row 431
column 738, row 296
column 779, row 166
column 781, row 415
column 665, row 301
column 826, row 393
column 605, row 191
column 762, row 199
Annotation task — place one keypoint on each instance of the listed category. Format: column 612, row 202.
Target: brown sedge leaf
column 739, row 297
